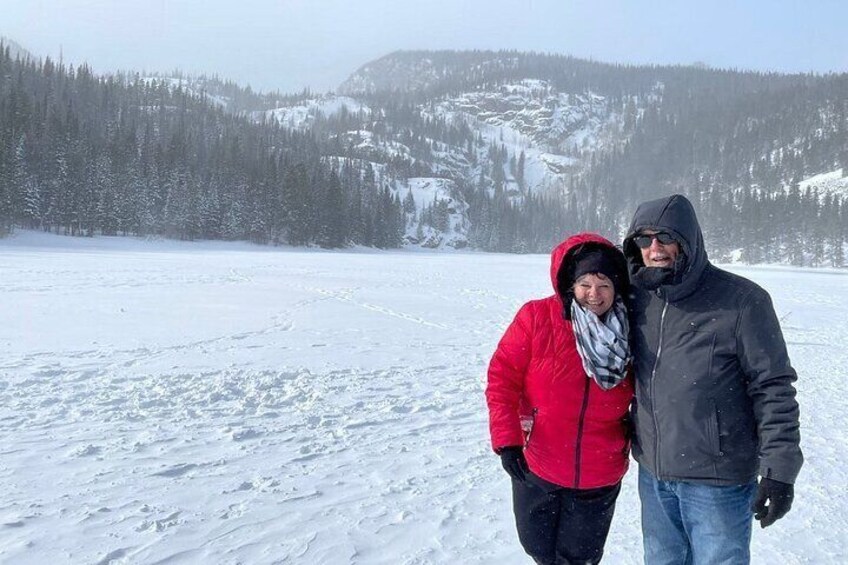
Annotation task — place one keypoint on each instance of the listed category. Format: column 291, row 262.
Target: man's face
column 658, row 254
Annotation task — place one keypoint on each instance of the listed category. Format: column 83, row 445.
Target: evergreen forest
column 123, row 154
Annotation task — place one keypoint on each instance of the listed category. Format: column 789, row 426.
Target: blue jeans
column 695, row 524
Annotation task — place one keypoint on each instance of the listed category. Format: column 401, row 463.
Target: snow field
column 177, row 403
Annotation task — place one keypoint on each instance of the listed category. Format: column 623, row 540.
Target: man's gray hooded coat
column 714, row 396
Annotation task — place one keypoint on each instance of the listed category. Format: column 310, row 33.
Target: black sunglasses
column 644, row 240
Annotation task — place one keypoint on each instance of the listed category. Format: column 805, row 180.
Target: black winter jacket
column 714, row 397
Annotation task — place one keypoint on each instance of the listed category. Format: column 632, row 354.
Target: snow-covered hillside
column 441, row 198
column 436, row 192
column 166, row 402
column 193, row 86
column 530, row 138
column 304, row 114
column 834, row 183
column 535, row 113
column 557, row 131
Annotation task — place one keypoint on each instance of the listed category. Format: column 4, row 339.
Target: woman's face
column 595, row 292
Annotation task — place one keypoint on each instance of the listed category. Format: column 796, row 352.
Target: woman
column 558, row 393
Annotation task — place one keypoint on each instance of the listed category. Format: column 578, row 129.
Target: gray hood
column 673, row 214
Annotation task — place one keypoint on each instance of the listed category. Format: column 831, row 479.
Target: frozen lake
column 165, row 402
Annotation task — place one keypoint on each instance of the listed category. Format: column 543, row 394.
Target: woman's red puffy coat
column 579, row 431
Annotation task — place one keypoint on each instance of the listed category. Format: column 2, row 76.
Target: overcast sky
column 292, row 44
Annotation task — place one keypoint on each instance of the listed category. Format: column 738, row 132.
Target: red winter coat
column 578, row 437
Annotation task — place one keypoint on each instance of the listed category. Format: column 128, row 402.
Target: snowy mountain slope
column 363, row 148
column 834, row 183
column 607, row 136
column 303, row 115
column 535, row 112
column 535, row 145
column 192, row 87
column 442, row 198
column 551, row 134
column 412, row 71
column 589, row 139
column 179, row 402
column 435, row 198
column 557, row 131
column 222, row 93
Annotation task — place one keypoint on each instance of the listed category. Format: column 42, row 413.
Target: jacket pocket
column 527, row 423
column 692, row 354
column 713, row 432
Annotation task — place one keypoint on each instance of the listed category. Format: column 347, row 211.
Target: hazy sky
column 291, row 44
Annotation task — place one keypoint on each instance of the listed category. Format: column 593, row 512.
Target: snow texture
column 426, row 191
column 834, row 183
column 165, row 402
column 302, row 116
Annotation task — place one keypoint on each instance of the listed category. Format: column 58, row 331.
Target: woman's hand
column 512, row 459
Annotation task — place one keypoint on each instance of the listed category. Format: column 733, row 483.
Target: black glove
column 779, row 496
column 512, row 459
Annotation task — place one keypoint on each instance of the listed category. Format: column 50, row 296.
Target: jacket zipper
column 653, row 398
column 580, row 433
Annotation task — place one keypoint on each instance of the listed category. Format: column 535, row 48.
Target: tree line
column 82, row 154
column 739, row 143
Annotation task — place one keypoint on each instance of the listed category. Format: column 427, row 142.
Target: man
column 715, row 405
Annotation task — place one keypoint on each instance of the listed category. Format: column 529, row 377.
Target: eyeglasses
column 644, row 240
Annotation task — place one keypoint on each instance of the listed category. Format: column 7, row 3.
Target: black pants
column 562, row 526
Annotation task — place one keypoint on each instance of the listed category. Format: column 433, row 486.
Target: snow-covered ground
column 163, row 402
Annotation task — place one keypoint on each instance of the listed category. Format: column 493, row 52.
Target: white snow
column 425, row 192
column 556, row 130
column 166, row 402
column 302, row 115
column 834, row 183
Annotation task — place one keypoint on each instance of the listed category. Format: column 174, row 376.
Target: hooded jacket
column 714, row 397
column 575, row 432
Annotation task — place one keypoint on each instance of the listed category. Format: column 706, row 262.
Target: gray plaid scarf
column 603, row 345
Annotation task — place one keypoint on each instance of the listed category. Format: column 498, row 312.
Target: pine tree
column 333, row 230
column 298, row 206
column 409, row 202
column 27, row 204
column 520, row 171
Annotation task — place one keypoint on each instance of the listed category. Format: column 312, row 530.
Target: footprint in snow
column 159, row 525
column 86, row 451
